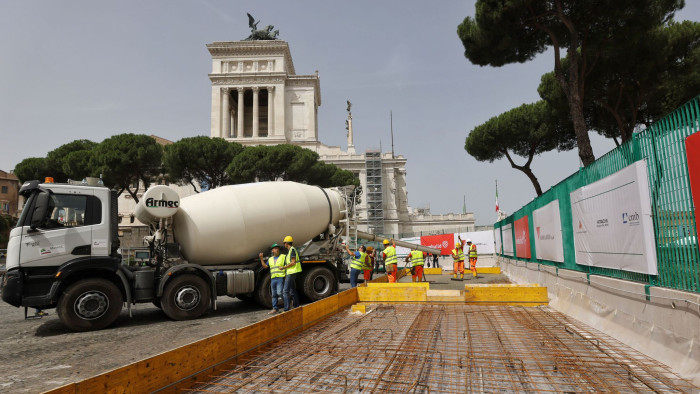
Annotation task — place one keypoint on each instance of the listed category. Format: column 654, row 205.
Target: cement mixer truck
column 64, row 251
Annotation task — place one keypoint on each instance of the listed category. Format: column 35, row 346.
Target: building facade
column 9, row 194
column 258, row 99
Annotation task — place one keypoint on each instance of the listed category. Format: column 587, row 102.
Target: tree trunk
column 526, row 169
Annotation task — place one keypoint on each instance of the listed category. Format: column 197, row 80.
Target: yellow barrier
column 506, row 294
column 488, row 270
column 432, row 271
column 407, row 284
column 393, row 294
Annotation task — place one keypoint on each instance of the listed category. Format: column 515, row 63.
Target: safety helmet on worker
column 469, row 241
column 457, row 244
column 385, row 242
column 288, row 239
column 370, row 249
column 274, row 246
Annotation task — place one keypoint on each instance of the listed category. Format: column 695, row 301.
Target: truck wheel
column 263, row 292
column 185, row 297
column 319, row 283
column 90, row 304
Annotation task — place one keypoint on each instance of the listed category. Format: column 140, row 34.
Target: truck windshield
column 25, row 212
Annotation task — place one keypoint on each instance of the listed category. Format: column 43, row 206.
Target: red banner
column 444, row 242
column 692, row 151
column 522, row 238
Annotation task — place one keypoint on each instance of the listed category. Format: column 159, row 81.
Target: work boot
column 272, row 312
column 461, row 276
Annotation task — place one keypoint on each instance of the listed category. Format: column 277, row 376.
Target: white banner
column 403, row 252
column 612, row 222
column 507, row 232
column 499, row 243
column 482, row 239
column 548, row 240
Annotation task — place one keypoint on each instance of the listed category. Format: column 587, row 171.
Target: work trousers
column 417, row 273
column 392, row 271
column 290, row 290
column 354, row 273
column 472, row 264
column 277, row 285
column 459, row 267
column 367, row 275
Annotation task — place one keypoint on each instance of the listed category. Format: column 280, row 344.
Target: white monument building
column 258, row 99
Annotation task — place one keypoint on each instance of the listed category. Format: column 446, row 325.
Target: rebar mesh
column 446, row 349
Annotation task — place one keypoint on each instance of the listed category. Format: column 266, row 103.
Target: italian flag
column 496, row 196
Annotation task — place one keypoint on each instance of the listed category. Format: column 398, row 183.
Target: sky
column 93, row 69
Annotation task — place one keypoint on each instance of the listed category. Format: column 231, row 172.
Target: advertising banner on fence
column 692, row 151
column 444, row 242
column 482, row 239
column 547, row 224
column 507, row 232
column 522, row 238
column 401, row 251
column 612, row 222
column 499, row 242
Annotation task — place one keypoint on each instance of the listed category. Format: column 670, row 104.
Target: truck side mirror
column 41, row 207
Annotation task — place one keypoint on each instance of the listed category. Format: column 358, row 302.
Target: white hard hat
column 469, row 240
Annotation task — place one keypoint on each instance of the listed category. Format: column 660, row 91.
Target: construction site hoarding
column 548, row 237
column 507, row 232
column 444, row 242
column 522, row 238
column 692, row 148
column 482, row 239
column 498, row 239
column 402, row 250
column 612, row 221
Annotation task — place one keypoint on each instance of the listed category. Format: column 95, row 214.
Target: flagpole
column 497, row 207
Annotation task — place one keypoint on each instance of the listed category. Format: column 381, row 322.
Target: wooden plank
column 254, row 335
column 316, row 311
column 407, row 284
column 392, row 294
column 432, row 271
column 506, row 295
column 347, row 298
column 488, row 270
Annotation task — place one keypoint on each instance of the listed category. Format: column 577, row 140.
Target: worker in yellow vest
column 472, row 256
column 277, row 274
column 358, row 263
column 458, row 257
column 417, row 260
column 293, row 268
column 390, row 261
column 370, row 264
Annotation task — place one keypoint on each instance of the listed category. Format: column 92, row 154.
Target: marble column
column 270, row 118
column 226, row 113
column 256, row 110
column 239, row 114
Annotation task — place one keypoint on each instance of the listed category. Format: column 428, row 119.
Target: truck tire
column 185, row 297
column 263, row 292
column 319, row 283
column 90, row 304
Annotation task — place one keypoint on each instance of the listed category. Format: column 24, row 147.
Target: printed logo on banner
column 601, row 223
column 442, row 242
column 631, row 219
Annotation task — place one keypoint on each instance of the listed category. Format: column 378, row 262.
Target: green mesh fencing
column 663, row 147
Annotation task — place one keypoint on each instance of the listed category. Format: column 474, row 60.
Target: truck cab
column 65, row 232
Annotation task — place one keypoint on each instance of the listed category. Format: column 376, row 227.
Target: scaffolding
column 445, row 349
column 374, row 193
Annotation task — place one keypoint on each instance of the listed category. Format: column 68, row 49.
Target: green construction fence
column 662, row 145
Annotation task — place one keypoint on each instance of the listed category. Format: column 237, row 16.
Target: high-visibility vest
column 297, row 267
column 390, row 253
column 458, row 256
column 417, row 258
column 358, row 263
column 472, row 251
column 276, row 270
column 370, row 262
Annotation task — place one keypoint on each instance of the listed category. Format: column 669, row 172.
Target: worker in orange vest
column 390, row 260
column 370, row 264
column 458, row 257
column 472, row 256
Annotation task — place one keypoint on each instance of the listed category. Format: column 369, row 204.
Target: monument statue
column 264, row 34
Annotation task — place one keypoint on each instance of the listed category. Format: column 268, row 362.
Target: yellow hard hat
column 288, row 238
column 370, row 249
column 457, row 244
column 385, row 242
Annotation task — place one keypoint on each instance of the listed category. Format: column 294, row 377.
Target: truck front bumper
column 12, row 287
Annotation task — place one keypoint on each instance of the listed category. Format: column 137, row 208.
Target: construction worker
column 417, row 260
column 370, row 264
column 390, row 260
column 458, row 257
column 358, row 263
column 293, row 268
column 277, row 274
column 472, row 256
